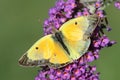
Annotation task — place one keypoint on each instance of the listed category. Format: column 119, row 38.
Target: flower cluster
column 73, row 71
column 79, row 69
column 117, row 4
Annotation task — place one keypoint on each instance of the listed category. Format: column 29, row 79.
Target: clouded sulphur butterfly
column 64, row 46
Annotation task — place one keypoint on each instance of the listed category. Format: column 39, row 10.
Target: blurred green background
column 21, row 24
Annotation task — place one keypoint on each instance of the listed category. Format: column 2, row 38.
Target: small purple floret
column 117, row 4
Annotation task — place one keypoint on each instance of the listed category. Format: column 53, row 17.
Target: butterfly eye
column 75, row 23
column 36, row 48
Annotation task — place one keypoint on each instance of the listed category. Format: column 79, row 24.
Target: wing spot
column 75, row 23
column 36, row 48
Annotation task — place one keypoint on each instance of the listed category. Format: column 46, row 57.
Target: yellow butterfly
column 64, row 46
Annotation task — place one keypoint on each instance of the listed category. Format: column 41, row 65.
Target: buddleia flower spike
column 65, row 10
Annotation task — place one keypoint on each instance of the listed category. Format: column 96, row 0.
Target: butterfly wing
column 46, row 51
column 49, row 50
column 76, row 33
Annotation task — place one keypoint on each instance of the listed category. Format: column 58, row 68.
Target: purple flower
column 86, row 12
column 58, row 73
column 109, row 28
column 68, row 14
column 90, row 57
column 82, row 72
column 79, row 69
column 52, row 11
column 104, row 41
column 77, row 72
column 65, row 75
column 60, row 4
column 97, row 43
column 117, row 4
column 100, row 13
column 79, row 14
column 98, row 4
column 71, row 3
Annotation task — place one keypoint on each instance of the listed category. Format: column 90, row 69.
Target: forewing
column 46, row 51
column 76, row 34
column 39, row 53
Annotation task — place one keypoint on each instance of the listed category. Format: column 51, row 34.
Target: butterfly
column 62, row 47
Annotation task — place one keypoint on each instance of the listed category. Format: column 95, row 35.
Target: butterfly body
column 64, row 46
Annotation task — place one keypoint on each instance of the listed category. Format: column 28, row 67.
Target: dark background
column 21, row 24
